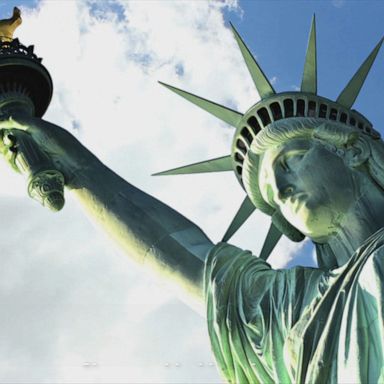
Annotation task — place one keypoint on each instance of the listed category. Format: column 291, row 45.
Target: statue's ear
column 358, row 153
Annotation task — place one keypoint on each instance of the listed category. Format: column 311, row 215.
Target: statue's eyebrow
column 298, row 147
column 277, row 158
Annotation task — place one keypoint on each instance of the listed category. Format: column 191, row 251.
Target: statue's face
column 311, row 186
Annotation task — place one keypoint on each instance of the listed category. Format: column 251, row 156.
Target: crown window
column 323, row 110
column 240, row 144
column 276, row 111
column 247, row 135
column 264, row 116
column 312, row 109
column 288, row 107
column 343, row 117
column 333, row 114
column 254, row 124
column 239, row 157
column 300, row 108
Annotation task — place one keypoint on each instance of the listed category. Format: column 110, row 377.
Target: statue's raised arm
column 149, row 231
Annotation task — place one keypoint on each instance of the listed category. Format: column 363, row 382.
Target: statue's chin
column 315, row 221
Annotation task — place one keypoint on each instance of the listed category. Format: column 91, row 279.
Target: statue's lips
column 297, row 200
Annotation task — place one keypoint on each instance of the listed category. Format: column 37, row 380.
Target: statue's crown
column 273, row 107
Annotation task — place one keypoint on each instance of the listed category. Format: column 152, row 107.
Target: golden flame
column 8, row 26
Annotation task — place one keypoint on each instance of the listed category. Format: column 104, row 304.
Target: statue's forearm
column 148, row 230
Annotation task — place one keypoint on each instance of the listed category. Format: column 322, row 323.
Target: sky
column 77, row 310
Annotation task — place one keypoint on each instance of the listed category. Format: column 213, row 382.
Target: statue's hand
column 66, row 153
column 46, row 153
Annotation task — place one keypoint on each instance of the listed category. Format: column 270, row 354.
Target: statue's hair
column 284, row 130
column 334, row 135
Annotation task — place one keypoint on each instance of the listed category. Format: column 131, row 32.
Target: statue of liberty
column 314, row 165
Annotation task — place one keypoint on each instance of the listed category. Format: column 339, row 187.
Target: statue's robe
column 301, row 325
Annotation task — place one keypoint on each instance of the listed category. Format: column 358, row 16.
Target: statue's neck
column 363, row 219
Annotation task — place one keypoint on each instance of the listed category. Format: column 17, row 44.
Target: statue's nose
column 283, row 184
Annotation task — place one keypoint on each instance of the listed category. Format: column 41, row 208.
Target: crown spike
column 225, row 114
column 309, row 80
column 270, row 242
column 220, row 164
column 262, row 83
column 245, row 210
column 348, row 96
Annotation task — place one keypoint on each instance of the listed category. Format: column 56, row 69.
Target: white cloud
column 273, row 80
column 338, row 3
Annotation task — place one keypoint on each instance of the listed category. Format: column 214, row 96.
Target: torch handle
column 45, row 183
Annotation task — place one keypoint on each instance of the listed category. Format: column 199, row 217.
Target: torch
column 26, row 86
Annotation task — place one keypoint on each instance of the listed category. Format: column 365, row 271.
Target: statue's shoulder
column 223, row 253
column 228, row 264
